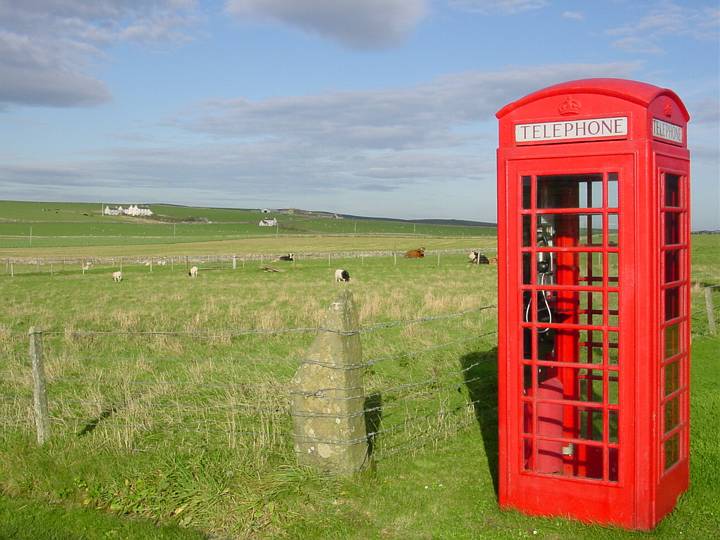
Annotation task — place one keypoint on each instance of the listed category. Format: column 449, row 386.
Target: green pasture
column 76, row 225
column 188, row 434
column 191, row 433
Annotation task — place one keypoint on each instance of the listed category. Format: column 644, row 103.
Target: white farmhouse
column 132, row 210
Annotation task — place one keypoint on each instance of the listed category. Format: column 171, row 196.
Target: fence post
column 328, row 398
column 710, row 309
column 40, row 404
column 12, row 270
column 234, row 262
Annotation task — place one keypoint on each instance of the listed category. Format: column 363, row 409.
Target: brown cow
column 415, row 253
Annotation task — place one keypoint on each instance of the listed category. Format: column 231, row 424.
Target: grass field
column 191, row 431
column 78, row 225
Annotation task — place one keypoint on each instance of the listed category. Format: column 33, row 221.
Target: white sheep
column 117, row 277
column 193, row 272
column 341, row 275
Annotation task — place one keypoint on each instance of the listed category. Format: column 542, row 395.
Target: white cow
column 193, row 272
column 341, row 275
column 117, row 277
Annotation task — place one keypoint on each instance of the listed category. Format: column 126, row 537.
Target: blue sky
column 374, row 107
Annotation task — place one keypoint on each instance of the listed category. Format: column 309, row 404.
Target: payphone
column 593, row 296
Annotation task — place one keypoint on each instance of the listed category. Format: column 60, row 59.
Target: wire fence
column 89, row 265
column 410, row 396
column 140, row 403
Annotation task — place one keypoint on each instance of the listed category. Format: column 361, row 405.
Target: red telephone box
column 594, row 327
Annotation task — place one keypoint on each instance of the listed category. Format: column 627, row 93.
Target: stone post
column 328, row 396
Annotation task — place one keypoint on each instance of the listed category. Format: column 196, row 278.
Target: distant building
column 132, row 210
column 268, row 222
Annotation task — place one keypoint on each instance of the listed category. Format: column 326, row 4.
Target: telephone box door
column 570, row 394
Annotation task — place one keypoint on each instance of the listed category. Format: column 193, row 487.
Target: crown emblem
column 667, row 110
column 569, row 106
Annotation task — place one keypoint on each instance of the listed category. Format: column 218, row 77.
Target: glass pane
column 590, row 268
column 590, row 194
column 614, row 426
column 527, row 417
column 526, row 192
column 672, row 228
column 591, row 385
column 613, row 348
column 567, row 230
column 528, row 464
column 672, row 377
column 613, row 228
column 672, row 190
column 591, row 347
column 565, row 191
column 613, row 309
column 527, row 268
column 613, row 268
column 591, row 308
column 526, row 233
column 672, row 266
column 591, row 424
column 672, row 451
column 613, row 388
column 672, row 303
column 613, row 465
column 672, row 340
column 612, row 190
column 672, row 414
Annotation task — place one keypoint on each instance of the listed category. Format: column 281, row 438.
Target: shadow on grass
column 107, row 412
column 373, row 419
column 481, row 380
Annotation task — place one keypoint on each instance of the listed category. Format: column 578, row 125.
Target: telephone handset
column 545, row 268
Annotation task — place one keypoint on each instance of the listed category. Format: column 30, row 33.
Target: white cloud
column 47, row 46
column 504, row 7
column 433, row 142
column 354, row 23
column 424, row 116
column 668, row 20
column 573, row 15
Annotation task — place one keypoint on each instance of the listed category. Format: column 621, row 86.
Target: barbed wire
column 236, row 332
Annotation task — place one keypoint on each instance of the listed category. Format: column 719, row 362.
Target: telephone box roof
column 634, row 91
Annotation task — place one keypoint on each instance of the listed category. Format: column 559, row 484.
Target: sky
column 368, row 107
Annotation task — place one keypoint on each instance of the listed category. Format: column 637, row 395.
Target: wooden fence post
column 328, row 398
column 12, row 270
column 234, row 262
column 40, row 404
column 710, row 310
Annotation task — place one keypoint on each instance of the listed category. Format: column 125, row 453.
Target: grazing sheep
column 193, row 272
column 341, row 275
column 86, row 266
column 478, row 258
column 117, row 277
column 418, row 253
